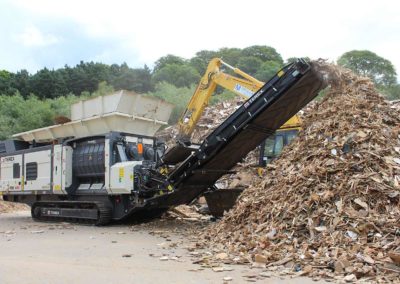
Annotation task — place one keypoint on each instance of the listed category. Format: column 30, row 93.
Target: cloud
column 33, row 37
column 139, row 32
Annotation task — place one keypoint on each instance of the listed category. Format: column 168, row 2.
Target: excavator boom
column 213, row 77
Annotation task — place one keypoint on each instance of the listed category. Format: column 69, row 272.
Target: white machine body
column 49, row 169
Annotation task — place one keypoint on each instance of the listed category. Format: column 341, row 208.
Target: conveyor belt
column 269, row 108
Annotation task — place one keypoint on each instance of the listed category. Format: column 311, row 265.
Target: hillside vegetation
column 29, row 101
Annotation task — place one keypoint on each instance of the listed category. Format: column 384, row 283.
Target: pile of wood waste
column 395, row 104
column 329, row 207
column 6, row 207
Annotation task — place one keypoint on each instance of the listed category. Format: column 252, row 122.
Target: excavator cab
column 273, row 145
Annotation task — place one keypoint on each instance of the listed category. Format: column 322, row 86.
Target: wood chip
column 395, row 256
column 218, row 269
column 260, row 258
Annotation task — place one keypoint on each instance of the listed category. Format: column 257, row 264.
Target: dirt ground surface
column 32, row 252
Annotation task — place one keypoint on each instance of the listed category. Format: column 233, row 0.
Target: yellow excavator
column 244, row 86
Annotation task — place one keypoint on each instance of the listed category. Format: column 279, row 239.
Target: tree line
column 29, row 101
column 84, row 77
column 259, row 61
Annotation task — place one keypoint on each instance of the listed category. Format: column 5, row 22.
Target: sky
column 52, row 33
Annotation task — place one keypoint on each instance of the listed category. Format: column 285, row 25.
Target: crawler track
column 82, row 212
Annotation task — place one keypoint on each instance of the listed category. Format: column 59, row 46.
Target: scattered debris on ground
column 6, row 207
column 329, row 207
column 186, row 212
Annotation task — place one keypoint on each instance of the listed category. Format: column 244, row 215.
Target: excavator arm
column 213, row 77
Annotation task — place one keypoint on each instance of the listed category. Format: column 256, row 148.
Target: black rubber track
column 104, row 212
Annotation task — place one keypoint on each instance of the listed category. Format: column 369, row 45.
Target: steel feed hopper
column 122, row 111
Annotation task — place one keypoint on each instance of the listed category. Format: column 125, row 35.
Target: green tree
column 61, row 106
column 201, row 60
column 102, row 89
column 86, row 76
column 138, row 80
column 178, row 75
column 250, row 64
column 168, row 60
column 267, row 70
column 391, row 92
column 5, row 75
column 21, row 114
column 21, row 83
column 174, row 95
column 95, row 73
column 369, row 64
column 230, row 55
column 47, row 84
column 18, row 114
column 5, row 83
column 263, row 52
